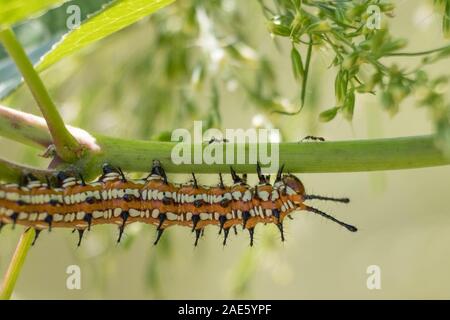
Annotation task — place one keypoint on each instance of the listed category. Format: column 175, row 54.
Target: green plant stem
column 298, row 157
column 415, row 54
column 16, row 264
column 66, row 145
column 306, row 157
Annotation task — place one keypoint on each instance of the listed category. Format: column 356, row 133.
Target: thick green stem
column 16, row 264
column 306, row 157
column 66, row 145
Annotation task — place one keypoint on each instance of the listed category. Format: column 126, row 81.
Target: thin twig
column 15, row 266
column 419, row 53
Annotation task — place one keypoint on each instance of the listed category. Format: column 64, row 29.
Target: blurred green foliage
column 183, row 62
column 357, row 33
column 38, row 35
column 201, row 48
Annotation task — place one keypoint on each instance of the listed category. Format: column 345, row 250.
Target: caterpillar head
column 294, row 188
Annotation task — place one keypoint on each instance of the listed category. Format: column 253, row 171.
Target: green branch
column 16, row 264
column 298, row 157
column 306, row 157
column 66, row 145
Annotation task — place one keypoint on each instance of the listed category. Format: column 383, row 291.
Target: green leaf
column 13, row 11
column 297, row 64
column 340, row 86
column 329, row 114
column 112, row 18
column 446, row 20
column 349, row 105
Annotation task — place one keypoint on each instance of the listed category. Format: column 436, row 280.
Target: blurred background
column 215, row 61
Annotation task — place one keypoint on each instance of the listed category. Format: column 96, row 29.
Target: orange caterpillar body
column 114, row 199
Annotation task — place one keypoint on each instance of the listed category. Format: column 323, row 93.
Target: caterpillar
column 70, row 202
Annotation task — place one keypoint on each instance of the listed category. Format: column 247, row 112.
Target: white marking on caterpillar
column 290, row 191
column 97, row 214
column 237, row 195
column 247, row 196
column 291, row 205
column 117, row 212
column 134, row 213
column 275, row 195
column 22, row 216
column 263, row 195
column 80, row 215
column 171, row 216
column 204, row 216
column 155, row 213
column 12, row 196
